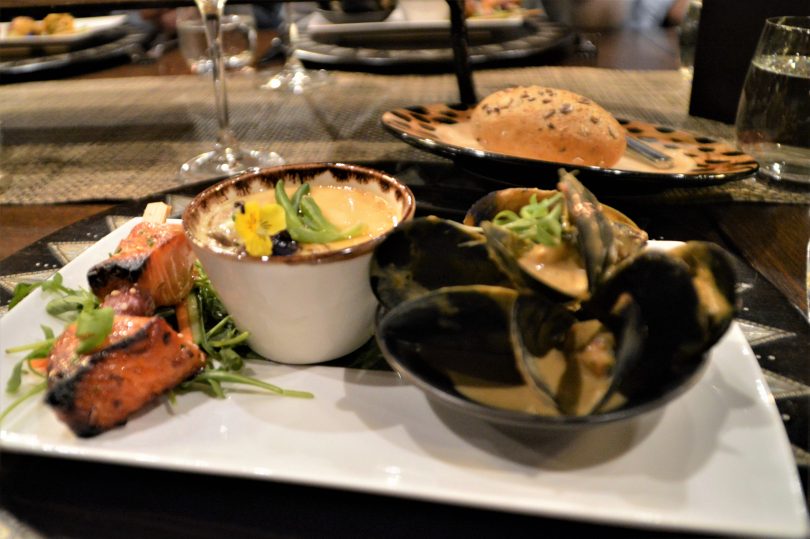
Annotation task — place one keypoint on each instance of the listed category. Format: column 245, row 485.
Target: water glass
column 773, row 117
column 238, row 38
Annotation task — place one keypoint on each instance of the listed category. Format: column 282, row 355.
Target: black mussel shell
column 594, row 230
column 606, row 236
column 488, row 206
column 539, row 327
column 687, row 301
column 429, row 253
column 715, row 272
column 453, row 331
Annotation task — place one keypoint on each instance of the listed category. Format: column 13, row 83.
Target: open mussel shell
column 513, row 255
column 488, row 206
column 595, row 237
column 715, row 283
column 543, row 338
column 514, row 198
column 605, row 236
column 594, row 230
column 687, row 300
column 455, row 345
column 429, row 253
column 450, row 335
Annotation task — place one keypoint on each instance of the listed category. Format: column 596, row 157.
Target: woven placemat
column 118, row 139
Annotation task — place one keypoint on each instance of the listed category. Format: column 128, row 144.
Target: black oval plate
column 443, row 129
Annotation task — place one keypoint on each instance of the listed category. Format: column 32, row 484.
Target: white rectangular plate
column 84, row 28
column 398, row 22
column 714, row 460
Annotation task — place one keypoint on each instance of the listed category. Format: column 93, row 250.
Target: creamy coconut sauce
column 579, row 376
column 559, row 267
column 519, row 398
column 343, row 206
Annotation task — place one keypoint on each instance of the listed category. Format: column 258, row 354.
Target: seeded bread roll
column 24, row 26
column 548, row 124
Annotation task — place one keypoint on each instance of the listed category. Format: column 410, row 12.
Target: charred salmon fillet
column 141, row 359
column 156, row 258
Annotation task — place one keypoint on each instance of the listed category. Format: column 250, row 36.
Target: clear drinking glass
column 238, row 38
column 227, row 157
column 773, row 117
column 294, row 78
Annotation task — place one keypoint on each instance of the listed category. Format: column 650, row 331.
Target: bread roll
column 23, row 26
column 548, row 124
column 58, row 23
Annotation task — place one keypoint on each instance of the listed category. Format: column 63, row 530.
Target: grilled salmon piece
column 142, row 358
column 156, row 258
column 132, row 301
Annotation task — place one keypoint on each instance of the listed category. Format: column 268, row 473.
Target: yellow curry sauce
column 343, row 206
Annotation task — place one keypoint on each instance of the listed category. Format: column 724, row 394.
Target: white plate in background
column 398, row 22
column 714, row 460
column 84, row 28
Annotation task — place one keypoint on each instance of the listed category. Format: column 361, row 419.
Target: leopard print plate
column 444, row 129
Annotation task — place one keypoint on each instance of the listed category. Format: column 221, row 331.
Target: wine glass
column 227, row 157
column 294, row 78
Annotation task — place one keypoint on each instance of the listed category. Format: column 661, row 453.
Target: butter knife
column 649, row 154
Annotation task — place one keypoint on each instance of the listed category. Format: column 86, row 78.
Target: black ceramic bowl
column 405, row 359
column 356, row 11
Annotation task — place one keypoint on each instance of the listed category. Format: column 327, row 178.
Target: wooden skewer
column 156, row 212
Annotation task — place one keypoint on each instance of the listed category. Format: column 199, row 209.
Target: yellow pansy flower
column 256, row 224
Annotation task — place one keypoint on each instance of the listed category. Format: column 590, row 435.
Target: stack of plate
column 405, row 41
column 95, row 39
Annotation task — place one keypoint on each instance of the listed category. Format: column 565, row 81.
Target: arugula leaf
column 15, row 380
column 21, row 291
column 92, row 327
column 210, row 304
column 39, row 388
column 54, row 284
column 38, row 349
column 49, row 334
column 222, row 376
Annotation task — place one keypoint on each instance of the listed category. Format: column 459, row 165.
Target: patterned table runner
column 120, row 139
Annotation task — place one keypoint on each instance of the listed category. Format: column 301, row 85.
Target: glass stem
column 226, row 140
column 292, row 37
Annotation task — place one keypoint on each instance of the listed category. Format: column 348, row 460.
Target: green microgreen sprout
column 305, row 220
column 539, row 222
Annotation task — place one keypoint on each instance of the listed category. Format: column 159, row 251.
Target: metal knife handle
column 650, row 154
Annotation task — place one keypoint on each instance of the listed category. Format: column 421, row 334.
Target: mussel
column 429, row 253
column 455, row 343
column 580, row 362
column 687, row 300
column 593, row 240
column 464, row 314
